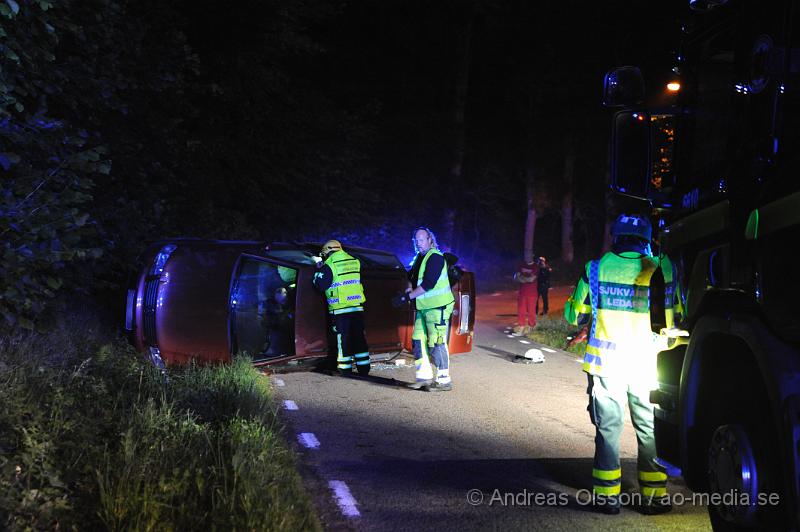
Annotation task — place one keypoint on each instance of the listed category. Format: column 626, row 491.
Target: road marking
column 290, row 405
column 279, row 382
column 524, row 342
column 578, row 360
column 511, row 336
column 344, row 498
column 548, row 350
column 308, row 440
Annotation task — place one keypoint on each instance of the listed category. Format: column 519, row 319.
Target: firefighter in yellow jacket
column 339, row 277
column 620, row 360
column 430, row 290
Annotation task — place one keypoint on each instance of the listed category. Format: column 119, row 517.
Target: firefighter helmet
column 329, row 247
column 633, row 225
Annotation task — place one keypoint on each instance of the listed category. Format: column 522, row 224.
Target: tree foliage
column 121, row 123
column 48, row 165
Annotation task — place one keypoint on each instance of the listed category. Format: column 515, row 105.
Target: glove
column 400, row 300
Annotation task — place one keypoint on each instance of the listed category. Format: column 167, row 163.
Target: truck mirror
column 630, row 153
column 623, row 86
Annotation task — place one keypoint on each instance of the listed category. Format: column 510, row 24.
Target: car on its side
column 210, row 300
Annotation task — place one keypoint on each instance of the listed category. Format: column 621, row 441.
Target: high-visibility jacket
column 346, row 290
column 615, row 290
column 441, row 294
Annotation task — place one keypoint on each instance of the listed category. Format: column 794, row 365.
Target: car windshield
column 262, row 309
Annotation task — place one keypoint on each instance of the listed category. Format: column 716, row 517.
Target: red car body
column 208, row 300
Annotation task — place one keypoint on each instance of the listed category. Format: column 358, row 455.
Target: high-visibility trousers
column 351, row 344
column 429, row 340
column 607, row 399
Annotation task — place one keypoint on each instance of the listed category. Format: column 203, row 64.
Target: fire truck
column 713, row 153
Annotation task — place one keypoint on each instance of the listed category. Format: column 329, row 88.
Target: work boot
column 439, row 387
column 655, row 505
column 606, row 505
column 419, row 385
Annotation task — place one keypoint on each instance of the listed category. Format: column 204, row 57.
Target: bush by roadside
column 93, row 437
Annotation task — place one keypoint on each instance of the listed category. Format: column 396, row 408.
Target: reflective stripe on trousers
column 607, row 398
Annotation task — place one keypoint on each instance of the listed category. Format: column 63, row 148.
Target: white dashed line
column 290, row 405
column 548, row 350
column 279, row 382
column 524, row 342
column 344, row 498
column 510, row 336
column 308, row 440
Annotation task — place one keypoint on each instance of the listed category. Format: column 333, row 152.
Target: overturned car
column 209, row 300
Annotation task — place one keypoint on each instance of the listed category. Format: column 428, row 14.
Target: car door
column 263, row 309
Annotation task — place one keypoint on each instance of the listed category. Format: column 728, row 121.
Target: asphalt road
column 510, row 448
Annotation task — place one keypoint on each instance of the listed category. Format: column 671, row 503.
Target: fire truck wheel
column 743, row 471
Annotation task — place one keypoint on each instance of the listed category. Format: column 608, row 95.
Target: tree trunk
column 452, row 195
column 567, row 247
column 530, row 219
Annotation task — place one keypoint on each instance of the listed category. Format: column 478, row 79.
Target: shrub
column 91, row 436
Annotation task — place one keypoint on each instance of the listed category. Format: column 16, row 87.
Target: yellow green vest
column 620, row 341
column 441, row 294
column 346, row 290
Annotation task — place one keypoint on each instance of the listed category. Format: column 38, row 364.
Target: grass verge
column 93, row 437
column 555, row 332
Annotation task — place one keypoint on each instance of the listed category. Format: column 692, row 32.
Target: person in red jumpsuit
column 526, row 276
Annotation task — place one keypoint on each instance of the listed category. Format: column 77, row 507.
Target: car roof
column 296, row 252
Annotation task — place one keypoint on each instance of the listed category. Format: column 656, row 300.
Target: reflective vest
column 616, row 291
column 441, row 294
column 346, row 290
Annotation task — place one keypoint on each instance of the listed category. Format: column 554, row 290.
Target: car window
column 262, row 309
column 377, row 260
column 291, row 255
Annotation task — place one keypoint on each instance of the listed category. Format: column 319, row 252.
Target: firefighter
column 620, row 361
column 430, row 290
column 339, row 277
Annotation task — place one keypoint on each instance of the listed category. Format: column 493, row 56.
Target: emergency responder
column 526, row 275
column 620, row 361
column 430, row 290
column 339, row 277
